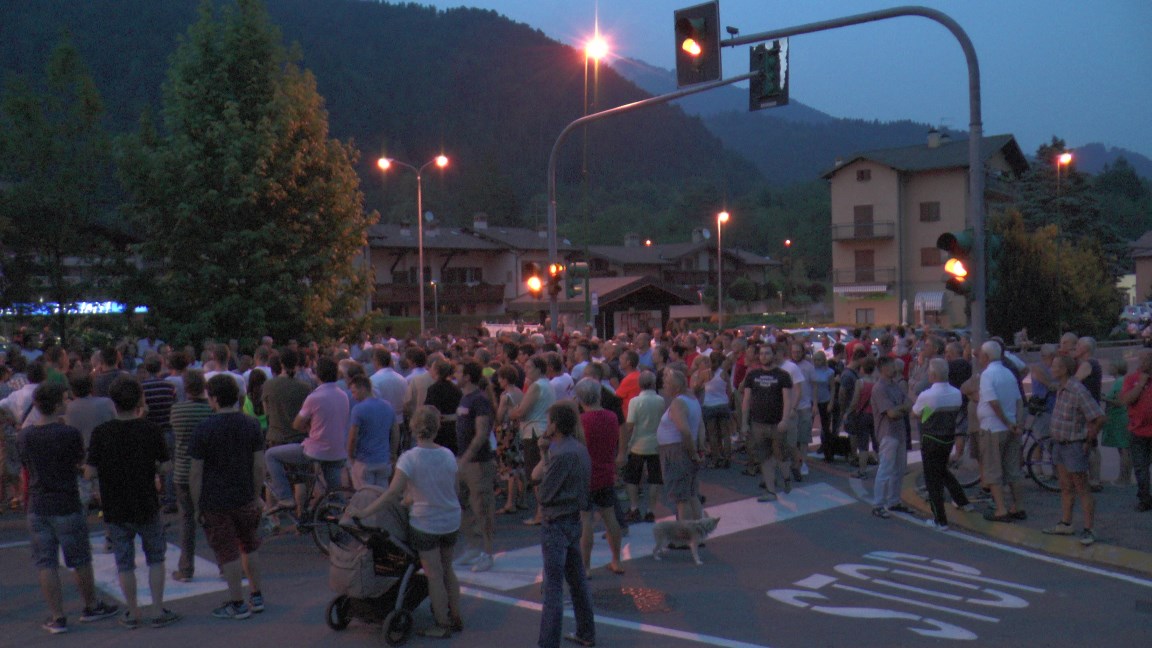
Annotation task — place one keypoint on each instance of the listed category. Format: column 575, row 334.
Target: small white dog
column 691, row 531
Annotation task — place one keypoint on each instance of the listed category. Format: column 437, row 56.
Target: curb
column 1065, row 546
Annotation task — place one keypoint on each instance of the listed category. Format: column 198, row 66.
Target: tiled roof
column 520, row 238
column 948, row 155
column 659, row 254
column 607, row 289
column 1142, row 247
column 439, row 238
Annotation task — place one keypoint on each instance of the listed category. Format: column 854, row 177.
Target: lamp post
column 440, row 161
column 1062, row 160
column 721, row 218
column 436, row 306
column 595, row 49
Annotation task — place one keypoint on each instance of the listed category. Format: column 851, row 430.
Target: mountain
column 1092, row 158
column 796, row 142
column 411, row 82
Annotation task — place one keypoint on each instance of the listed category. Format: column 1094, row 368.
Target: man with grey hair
column 999, row 414
column 1091, row 375
column 937, row 408
column 638, row 447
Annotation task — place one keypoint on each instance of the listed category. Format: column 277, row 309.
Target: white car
column 1136, row 313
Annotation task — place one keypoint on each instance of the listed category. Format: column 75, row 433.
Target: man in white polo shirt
column 999, row 414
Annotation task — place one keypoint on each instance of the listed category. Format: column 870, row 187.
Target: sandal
column 574, row 638
column 615, row 570
column 992, row 517
column 435, row 632
column 506, row 510
column 532, row 522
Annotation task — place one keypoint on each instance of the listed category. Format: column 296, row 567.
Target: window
column 863, row 175
column 865, row 315
column 862, row 219
column 462, row 275
column 865, row 266
column 929, row 257
column 929, row 212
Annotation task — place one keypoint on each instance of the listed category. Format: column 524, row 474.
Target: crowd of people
column 547, row 426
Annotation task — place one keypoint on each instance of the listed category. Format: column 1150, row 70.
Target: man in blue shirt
column 370, row 435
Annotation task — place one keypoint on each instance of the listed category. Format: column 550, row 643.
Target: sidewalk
column 1123, row 536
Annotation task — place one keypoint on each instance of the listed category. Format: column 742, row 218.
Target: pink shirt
column 328, row 408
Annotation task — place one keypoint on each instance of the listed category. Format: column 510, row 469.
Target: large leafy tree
column 1049, row 283
column 254, row 215
column 54, row 171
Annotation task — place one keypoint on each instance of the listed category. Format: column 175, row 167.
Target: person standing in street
column 51, row 454
column 767, row 408
column 185, row 417
column 370, row 438
column 477, row 467
column 889, row 407
column 565, row 475
column 938, row 407
column 227, row 470
column 1076, row 422
column 999, row 415
column 1138, row 398
column 127, row 453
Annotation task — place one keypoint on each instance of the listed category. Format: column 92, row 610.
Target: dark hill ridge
column 411, row 81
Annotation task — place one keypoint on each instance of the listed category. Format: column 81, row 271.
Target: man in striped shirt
column 159, row 397
column 185, row 417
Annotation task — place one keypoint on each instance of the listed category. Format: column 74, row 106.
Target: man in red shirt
column 1136, row 395
column 629, row 385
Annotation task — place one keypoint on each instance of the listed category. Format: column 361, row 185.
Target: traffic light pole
column 554, row 304
column 975, row 130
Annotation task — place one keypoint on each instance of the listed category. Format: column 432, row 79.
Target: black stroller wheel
column 339, row 613
column 397, row 627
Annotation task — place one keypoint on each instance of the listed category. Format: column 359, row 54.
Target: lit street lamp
column 721, row 218
column 1062, row 160
column 440, row 161
column 436, row 306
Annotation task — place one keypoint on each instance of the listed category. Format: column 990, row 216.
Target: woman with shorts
column 602, row 436
column 427, row 473
column 509, row 456
column 532, row 413
column 717, row 412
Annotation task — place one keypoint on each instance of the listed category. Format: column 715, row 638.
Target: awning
column 929, row 301
column 859, row 290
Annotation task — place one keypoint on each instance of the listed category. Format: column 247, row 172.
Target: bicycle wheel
column 325, row 518
column 1041, row 468
column 966, row 469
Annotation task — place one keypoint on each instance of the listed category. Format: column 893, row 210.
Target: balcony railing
column 863, row 231
column 462, row 293
column 864, row 276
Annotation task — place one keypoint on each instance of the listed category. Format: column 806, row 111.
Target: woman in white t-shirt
column 426, row 475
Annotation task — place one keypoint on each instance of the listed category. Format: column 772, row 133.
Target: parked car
column 1136, row 313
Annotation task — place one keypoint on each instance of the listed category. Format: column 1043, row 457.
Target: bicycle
column 322, row 507
column 1037, row 458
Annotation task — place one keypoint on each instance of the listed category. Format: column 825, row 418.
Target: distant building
column 888, row 208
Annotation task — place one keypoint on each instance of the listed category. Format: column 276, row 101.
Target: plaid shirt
column 1074, row 408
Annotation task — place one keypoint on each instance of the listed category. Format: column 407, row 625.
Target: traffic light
column 698, row 44
column 993, row 245
column 555, row 278
column 532, row 279
column 958, row 245
column 770, row 85
column 577, row 275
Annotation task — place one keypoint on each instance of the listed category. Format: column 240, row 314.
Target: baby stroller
column 374, row 573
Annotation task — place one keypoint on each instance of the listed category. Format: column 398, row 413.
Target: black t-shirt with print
column 766, row 404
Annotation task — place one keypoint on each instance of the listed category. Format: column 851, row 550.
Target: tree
column 1048, row 284
column 254, row 216
column 54, row 156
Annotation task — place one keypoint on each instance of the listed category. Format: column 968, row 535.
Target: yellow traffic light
column 955, row 267
column 535, row 285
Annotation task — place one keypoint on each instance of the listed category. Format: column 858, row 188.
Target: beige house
column 888, row 209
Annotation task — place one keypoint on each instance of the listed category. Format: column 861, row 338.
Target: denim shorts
column 123, row 537
column 53, row 533
column 1072, row 456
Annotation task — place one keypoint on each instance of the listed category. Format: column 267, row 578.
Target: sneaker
column 1087, row 537
column 256, row 602
column 166, row 617
column 649, row 517
column 467, row 557
column 99, row 611
column 899, row 507
column 129, row 621
column 633, row 515
column 767, row 497
column 787, row 486
column 232, row 610
column 796, row 474
column 1018, row 515
column 483, row 563
column 932, row 524
column 804, row 469
column 967, row 508
column 56, row 626
column 1061, row 528
column 881, row 512
column 181, row 577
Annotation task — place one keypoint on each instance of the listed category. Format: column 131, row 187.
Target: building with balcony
column 888, row 208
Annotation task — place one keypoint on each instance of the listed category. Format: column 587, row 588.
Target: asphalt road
column 813, row 569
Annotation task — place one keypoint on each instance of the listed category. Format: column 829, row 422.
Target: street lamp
column 721, row 218
column 1062, row 160
column 440, row 161
column 436, row 306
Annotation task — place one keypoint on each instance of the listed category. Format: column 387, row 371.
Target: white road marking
column 523, row 567
column 620, row 623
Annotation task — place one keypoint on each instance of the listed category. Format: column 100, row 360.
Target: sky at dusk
column 1075, row 69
